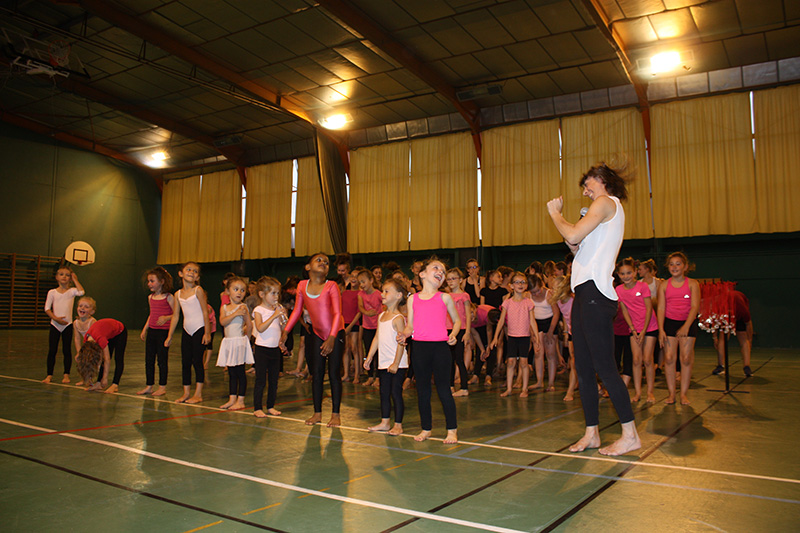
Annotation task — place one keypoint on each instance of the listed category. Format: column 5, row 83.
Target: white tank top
column 387, row 345
column 192, row 313
column 597, row 254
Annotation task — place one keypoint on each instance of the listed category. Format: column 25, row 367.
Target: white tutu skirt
column 235, row 351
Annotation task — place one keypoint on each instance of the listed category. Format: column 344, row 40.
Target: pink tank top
column 460, row 300
column 349, row 305
column 429, row 318
column 158, row 308
column 371, row 302
column 677, row 301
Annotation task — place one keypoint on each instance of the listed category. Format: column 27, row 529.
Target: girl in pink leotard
column 321, row 298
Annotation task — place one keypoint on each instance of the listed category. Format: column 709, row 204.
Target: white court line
column 486, row 445
column 277, row 484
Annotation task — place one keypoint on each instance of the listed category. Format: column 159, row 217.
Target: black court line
column 560, row 450
column 586, row 501
column 142, row 493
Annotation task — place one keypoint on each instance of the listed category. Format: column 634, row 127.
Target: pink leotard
column 158, row 308
column 325, row 309
column 429, row 318
column 349, row 305
column 633, row 299
column 518, row 316
column 677, row 300
column 460, row 300
column 371, row 302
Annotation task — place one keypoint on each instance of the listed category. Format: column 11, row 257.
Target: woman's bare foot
column 274, row 412
column 335, row 420
column 383, row 426
column 160, row 391
column 523, row 394
column 48, row 379
column 396, row 430
column 505, row 393
column 238, row 405
column 66, row 379
column 195, row 399
column 94, row 387
column 259, row 414
column 422, row 435
column 636, row 397
column 146, row 390
column 183, row 398
column 452, row 437
column 473, row 380
column 112, row 388
column 590, row 439
column 229, row 403
column 316, row 418
column 462, row 392
column 670, row 399
column 622, row 446
column 685, row 400
column 569, row 397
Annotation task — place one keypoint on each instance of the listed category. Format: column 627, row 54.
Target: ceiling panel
column 337, row 64
column 782, row 44
column 716, row 20
column 677, row 24
column 564, row 49
column 747, row 49
column 425, row 10
column 560, row 17
column 484, row 28
column 519, row 20
column 387, row 14
column 452, row 36
column 540, row 85
column 571, row 80
column 761, row 15
column 421, row 44
column 363, row 58
column 500, row 63
column 531, row 56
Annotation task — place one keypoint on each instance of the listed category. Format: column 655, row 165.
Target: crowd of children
column 400, row 330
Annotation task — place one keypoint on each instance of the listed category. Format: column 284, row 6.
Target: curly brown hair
column 89, row 359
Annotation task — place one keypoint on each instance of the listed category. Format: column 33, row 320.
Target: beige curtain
column 613, row 137
column 311, row 231
column 444, row 185
column 519, row 175
column 180, row 209
column 777, row 135
column 702, row 167
column 220, row 235
column 268, row 217
column 378, row 214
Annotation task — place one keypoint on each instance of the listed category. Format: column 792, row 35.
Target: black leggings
column 316, row 364
column 66, row 347
column 268, row 363
column 367, row 335
column 192, row 351
column 116, row 349
column 623, row 354
column 433, row 358
column 593, row 339
column 392, row 390
column 237, row 380
column 154, row 350
column 457, row 360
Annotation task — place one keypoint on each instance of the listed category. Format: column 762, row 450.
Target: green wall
column 52, row 194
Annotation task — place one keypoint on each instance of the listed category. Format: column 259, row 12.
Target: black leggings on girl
column 192, row 351
column 237, row 377
column 367, row 335
column 392, row 391
column 433, row 358
column 268, row 364
column 316, row 363
column 66, row 348
column 154, row 350
column 593, row 338
column 457, row 360
column 116, row 349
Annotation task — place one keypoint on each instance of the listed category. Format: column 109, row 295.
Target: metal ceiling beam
column 80, row 142
column 377, row 35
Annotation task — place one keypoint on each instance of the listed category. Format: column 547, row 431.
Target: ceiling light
column 664, row 62
column 335, row 122
column 159, row 156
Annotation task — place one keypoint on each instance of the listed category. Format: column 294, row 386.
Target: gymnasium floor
column 72, row 460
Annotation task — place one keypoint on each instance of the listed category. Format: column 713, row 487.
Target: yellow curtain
column 268, row 216
column 777, row 135
column 519, row 175
column 444, row 185
column 220, row 235
column 180, row 211
column 377, row 216
column 702, row 167
column 311, row 232
column 613, row 137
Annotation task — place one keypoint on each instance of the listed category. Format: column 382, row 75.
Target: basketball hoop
column 59, row 53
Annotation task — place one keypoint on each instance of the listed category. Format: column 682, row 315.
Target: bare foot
column 473, row 380
column 587, row 441
column 48, row 379
column 569, row 397
column 523, row 394
column 505, row 393
column 112, row 389
column 259, row 414
column 408, row 383
column 160, row 391
column 651, row 398
column 237, row 406
column 422, row 435
column 685, row 400
column 488, row 381
column 452, row 437
column 536, row 386
column 383, row 426
column 146, row 390
column 357, row 381
column 94, row 387
column 195, row 399
column 550, row 388
column 670, row 399
column 335, row 420
column 396, row 430
column 636, row 397
column 316, row 418
column 228, row 404
column 80, row 384
column 66, row 379
column 251, row 370
column 622, row 446
column 183, row 398
column 273, row 412
column 462, row 392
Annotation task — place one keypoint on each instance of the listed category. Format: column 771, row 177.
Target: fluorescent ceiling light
column 664, row 62
column 335, row 122
column 159, row 156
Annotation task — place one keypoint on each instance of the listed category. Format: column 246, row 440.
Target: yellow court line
column 423, row 458
column 307, row 495
column 393, row 467
column 356, row 479
column 203, row 527
column 262, row 509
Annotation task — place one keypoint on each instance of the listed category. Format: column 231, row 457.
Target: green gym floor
column 72, row 460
